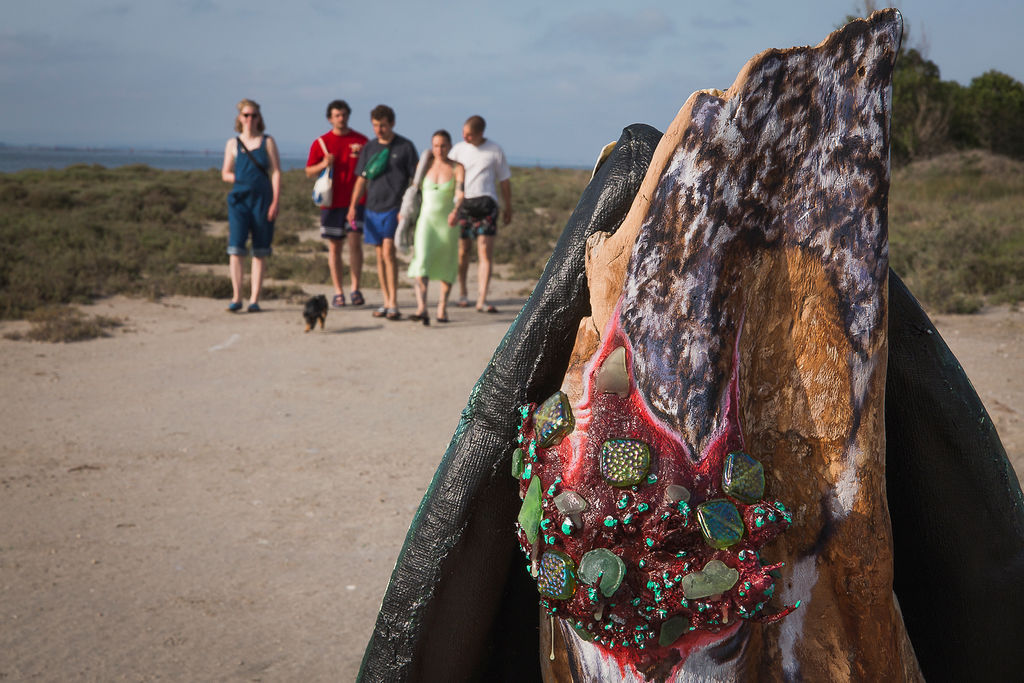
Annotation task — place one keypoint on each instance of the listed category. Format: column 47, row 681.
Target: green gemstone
column 720, row 523
column 671, row 630
column 557, row 577
column 582, row 632
column 716, row 577
column 530, row 512
column 624, row 462
column 553, row 420
column 567, row 527
column 517, row 462
column 743, row 478
column 605, row 566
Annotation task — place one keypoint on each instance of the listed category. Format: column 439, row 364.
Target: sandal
column 487, row 309
column 357, row 297
column 338, row 301
column 416, row 317
column 392, row 314
column 443, row 320
column 462, row 303
column 380, row 312
column 234, row 307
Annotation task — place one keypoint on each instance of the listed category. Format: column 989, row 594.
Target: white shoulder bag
column 323, row 188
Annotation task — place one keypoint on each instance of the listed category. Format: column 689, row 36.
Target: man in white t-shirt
column 476, row 204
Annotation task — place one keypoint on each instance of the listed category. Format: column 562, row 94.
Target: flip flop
column 380, row 312
column 357, row 297
column 393, row 314
column 234, row 307
column 488, row 309
column 338, row 301
column 462, row 303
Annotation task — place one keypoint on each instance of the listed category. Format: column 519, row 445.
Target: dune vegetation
column 73, row 235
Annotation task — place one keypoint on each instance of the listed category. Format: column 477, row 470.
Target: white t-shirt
column 485, row 167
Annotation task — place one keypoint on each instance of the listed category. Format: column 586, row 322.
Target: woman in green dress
column 436, row 242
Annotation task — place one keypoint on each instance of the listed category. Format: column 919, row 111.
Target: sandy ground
column 209, row 497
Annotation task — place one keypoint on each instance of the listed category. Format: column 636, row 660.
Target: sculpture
column 747, row 284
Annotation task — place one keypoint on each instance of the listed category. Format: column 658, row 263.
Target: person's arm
column 227, row 169
column 316, row 168
column 357, row 192
column 275, row 177
column 506, row 195
column 460, row 193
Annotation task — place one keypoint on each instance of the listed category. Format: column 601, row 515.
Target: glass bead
column 601, row 564
column 530, row 512
column 613, row 377
column 743, row 478
column 553, row 420
column 676, row 493
column 517, row 462
column 672, row 629
column 720, row 522
column 716, row 577
column 570, row 503
column 624, row 462
column 557, row 578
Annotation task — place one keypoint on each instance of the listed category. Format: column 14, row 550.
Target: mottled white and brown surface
column 759, row 237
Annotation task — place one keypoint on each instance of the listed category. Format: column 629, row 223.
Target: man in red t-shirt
column 343, row 146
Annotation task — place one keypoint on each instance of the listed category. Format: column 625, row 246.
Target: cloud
column 608, row 31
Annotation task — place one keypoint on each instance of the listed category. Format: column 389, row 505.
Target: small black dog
column 315, row 309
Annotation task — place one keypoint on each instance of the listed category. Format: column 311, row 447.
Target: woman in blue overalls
column 251, row 162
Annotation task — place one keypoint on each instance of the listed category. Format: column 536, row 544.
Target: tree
column 995, row 107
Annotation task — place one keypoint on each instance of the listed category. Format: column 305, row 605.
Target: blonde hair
column 261, row 125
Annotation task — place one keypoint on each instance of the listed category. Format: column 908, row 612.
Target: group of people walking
column 381, row 190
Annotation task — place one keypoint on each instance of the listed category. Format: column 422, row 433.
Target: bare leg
column 258, row 266
column 235, row 268
column 442, row 303
column 484, row 249
column 464, row 246
column 337, row 267
column 355, row 258
column 379, row 251
column 421, row 295
column 391, row 272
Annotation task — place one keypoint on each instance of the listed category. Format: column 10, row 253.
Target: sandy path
column 215, row 497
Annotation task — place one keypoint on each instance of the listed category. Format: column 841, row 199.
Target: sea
column 13, row 159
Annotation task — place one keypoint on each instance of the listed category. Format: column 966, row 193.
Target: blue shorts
column 379, row 226
column 334, row 223
column 247, row 215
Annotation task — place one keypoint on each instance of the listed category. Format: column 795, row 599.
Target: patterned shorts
column 334, row 223
column 477, row 216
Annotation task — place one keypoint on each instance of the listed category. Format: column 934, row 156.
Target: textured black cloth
column 461, row 605
column 956, row 508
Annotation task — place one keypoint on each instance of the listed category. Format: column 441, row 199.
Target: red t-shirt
column 345, row 149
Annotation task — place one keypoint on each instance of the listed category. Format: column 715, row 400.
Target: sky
column 554, row 80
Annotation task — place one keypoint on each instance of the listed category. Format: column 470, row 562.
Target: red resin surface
column 660, row 544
